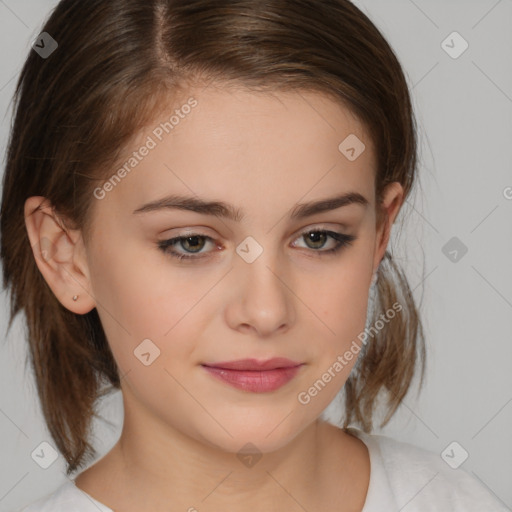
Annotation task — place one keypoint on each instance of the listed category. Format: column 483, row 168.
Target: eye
column 317, row 238
column 193, row 243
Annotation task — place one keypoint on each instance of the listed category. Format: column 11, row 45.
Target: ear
column 60, row 255
column 392, row 199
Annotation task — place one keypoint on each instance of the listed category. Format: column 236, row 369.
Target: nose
column 263, row 301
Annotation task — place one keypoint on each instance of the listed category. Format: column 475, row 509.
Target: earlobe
column 59, row 255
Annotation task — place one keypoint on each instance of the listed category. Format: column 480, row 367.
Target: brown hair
column 116, row 62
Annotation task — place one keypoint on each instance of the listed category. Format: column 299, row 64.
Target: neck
column 158, row 467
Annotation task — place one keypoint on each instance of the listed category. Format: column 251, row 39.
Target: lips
column 255, row 364
column 253, row 375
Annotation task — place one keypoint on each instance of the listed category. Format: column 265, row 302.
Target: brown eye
column 191, row 243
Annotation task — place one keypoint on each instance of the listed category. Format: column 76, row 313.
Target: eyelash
column 342, row 239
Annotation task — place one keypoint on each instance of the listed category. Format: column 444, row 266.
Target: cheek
column 343, row 304
column 346, row 312
column 139, row 301
column 141, row 289
column 343, row 307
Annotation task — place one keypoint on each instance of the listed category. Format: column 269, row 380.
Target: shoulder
column 421, row 480
column 65, row 498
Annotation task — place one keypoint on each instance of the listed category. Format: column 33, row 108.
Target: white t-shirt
column 403, row 477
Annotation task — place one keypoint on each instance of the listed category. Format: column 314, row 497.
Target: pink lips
column 253, row 375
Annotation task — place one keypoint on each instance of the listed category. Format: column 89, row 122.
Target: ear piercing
column 75, row 297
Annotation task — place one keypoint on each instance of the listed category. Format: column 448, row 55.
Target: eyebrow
column 224, row 210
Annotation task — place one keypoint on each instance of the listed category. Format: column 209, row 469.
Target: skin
column 183, row 428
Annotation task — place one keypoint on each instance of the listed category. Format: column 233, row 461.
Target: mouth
column 255, row 364
column 253, row 375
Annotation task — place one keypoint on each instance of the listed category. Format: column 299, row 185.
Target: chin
column 267, row 432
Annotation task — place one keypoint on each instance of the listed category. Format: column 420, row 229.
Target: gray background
column 464, row 112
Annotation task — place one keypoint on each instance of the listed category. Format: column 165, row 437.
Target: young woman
column 196, row 210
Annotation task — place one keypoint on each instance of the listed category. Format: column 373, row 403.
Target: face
column 179, row 287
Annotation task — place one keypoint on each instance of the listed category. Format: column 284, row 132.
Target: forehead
column 229, row 115
column 255, row 150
